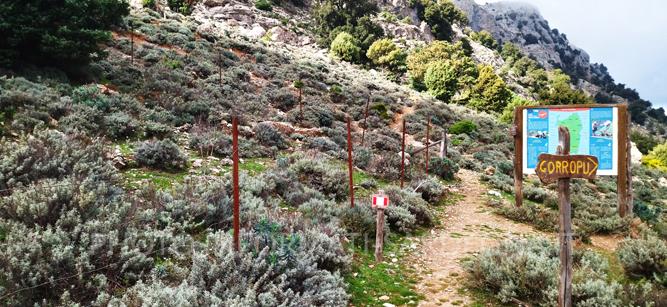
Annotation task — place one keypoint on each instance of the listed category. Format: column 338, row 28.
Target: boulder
column 215, row 2
column 635, row 155
column 490, row 171
column 255, row 32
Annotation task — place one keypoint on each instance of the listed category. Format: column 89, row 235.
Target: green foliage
column 526, row 270
column 507, row 115
column 345, row 47
column 441, row 80
column 561, row 92
column 335, row 16
column 643, row 257
column 657, row 157
column 161, row 154
column 485, row 38
column 443, row 167
column 268, row 135
column 27, row 31
column 148, row 3
column 644, row 141
column 182, row 6
column 440, row 15
column 63, row 212
column 419, row 60
column 489, row 92
column 385, row 53
column 264, row 5
column 463, row 126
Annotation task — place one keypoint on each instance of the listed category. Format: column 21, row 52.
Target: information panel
column 593, row 131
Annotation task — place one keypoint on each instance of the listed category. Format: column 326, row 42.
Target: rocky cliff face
column 522, row 24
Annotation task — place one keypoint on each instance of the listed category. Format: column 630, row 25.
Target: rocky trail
column 469, row 226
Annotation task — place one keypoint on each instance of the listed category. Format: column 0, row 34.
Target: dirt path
column 469, row 227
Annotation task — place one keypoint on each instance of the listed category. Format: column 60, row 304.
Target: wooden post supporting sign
column 562, row 167
column 235, row 179
column 516, row 132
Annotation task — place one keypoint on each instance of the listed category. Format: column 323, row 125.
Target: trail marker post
column 379, row 202
column 235, row 178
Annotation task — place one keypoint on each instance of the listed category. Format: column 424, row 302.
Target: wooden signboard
column 597, row 130
column 553, row 167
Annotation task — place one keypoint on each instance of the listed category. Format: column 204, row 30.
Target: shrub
column 657, row 157
column 644, row 142
column 162, row 154
column 263, row 5
column 280, row 270
column 268, row 135
column 120, row 125
column 490, row 92
column 208, row 142
column 430, row 188
column 440, row 15
column 526, row 269
column 419, row 61
column 463, row 127
column 385, row 53
column 443, row 167
column 643, row 257
column 63, row 213
column 83, row 26
column 359, row 220
column 345, row 47
column 407, row 210
column 507, row 115
column 441, row 80
column 322, row 177
column 485, row 38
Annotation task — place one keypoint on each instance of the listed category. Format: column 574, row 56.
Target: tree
column 345, row 47
column 440, row 15
column 335, row 16
column 560, row 91
column 489, row 92
column 485, row 38
column 384, row 52
column 508, row 112
column 657, row 157
column 62, row 33
column 441, row 80
column 419, row 61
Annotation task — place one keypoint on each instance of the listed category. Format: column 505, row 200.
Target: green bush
column 527, row 270
column 345, row 47
column 489, row 91
column 441, row 80
column 443, row 167
column 419, row 61
column 643, row 257
column 28, row 32
column 268, row 135
column 264, row 5
column 644, row 142
column 657, row 157
column 507, row 115
column 463, row 126
column 63, row 212
column 384, row 52
column 485, row 38
column 440, row 16
column 162, row 154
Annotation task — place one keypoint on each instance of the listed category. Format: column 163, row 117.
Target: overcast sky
column 627, row 36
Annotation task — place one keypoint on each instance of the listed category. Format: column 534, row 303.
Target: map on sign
column 593, row 131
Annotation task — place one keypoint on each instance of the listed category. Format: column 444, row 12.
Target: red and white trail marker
column 380, row 201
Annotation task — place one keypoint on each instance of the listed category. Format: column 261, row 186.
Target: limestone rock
column 490, row 171
column 635, row 155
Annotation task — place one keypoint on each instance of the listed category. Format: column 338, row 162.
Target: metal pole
column 349, row 161
column 235, row 178
column 403, row 155
column 565, row 281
